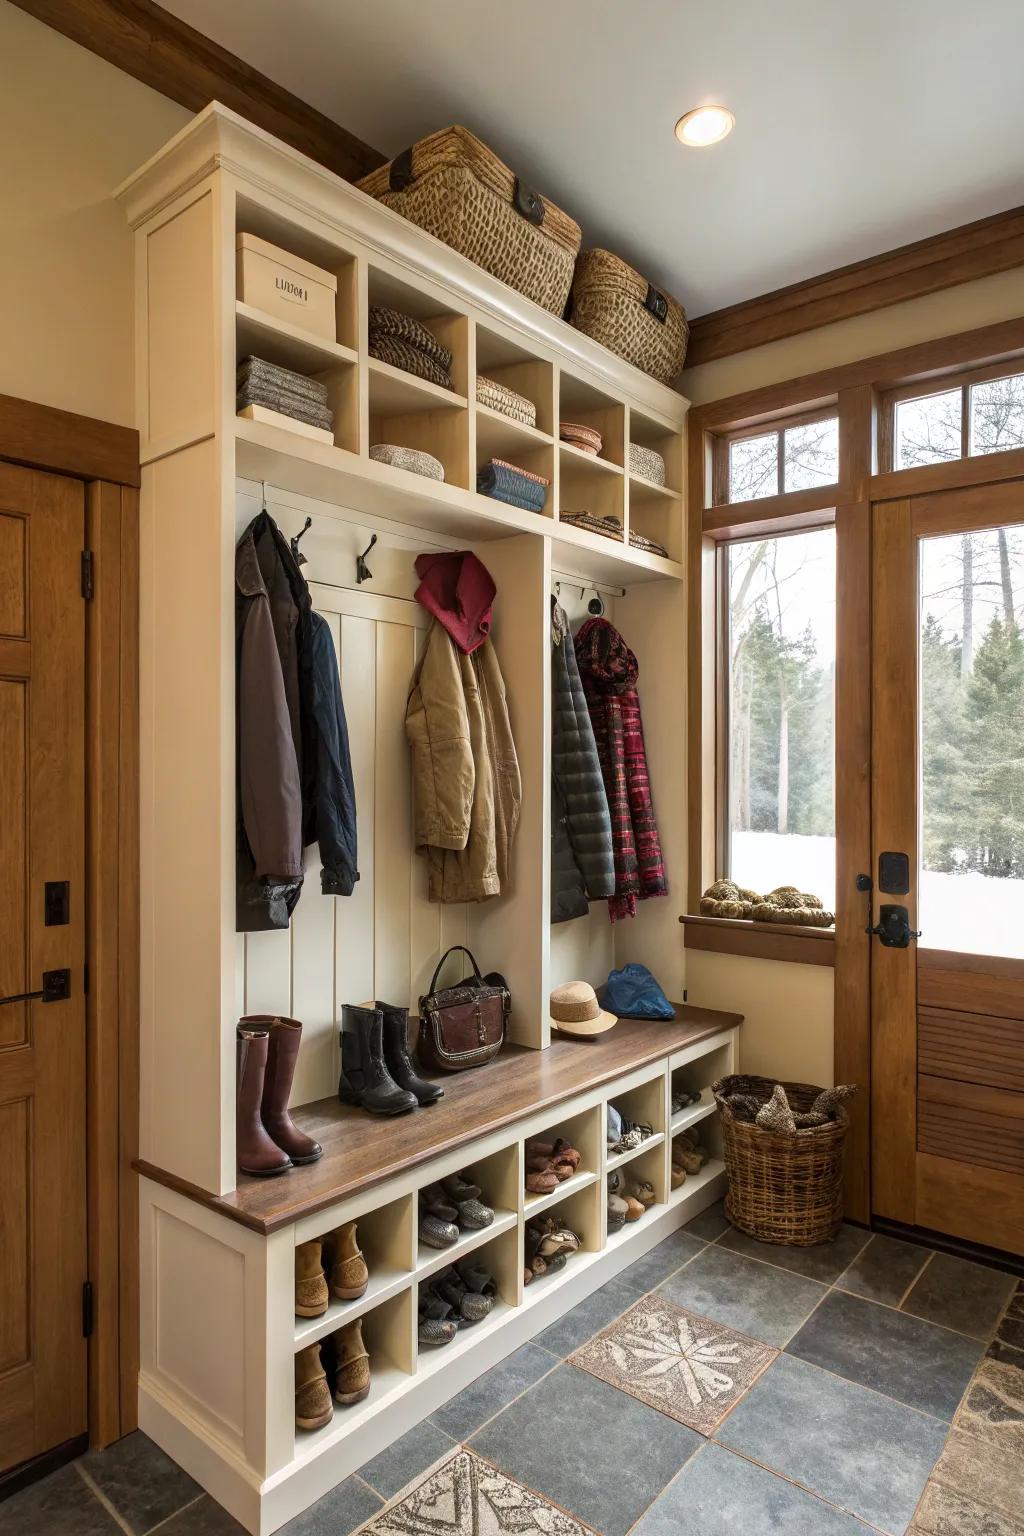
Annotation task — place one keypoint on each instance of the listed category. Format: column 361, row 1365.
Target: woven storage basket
column 500, row 398
column 453, row 186
column 413, row 459
column 647, row 463
column 784, row 1187
column 614, row 305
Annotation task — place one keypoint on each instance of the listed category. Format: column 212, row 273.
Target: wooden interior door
column 948, row 793
column 42, row 1043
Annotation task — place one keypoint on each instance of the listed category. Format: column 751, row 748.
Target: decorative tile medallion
column 686, row 1366
column 464, row 1496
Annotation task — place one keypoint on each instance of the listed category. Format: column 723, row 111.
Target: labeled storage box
column 613, row 304
column 457, row 189
column 284, row 285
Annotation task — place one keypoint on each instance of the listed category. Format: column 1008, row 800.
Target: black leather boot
column 399, row 1062
column 364, row 1078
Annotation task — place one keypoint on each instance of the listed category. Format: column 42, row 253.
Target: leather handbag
column 463, row 1026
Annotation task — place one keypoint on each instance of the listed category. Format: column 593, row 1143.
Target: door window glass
column 971, row 892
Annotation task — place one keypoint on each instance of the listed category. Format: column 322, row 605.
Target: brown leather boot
column 311, row 1298
column 282, row 1054
column 349, row 1275
column 255, row 1152
column 352, row 1382
column 313, row 1406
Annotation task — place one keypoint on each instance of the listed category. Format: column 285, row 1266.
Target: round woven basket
column 784, row 1187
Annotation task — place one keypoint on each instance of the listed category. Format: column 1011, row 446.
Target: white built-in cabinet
column 218, row 1337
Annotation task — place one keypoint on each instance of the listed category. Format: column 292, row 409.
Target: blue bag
column 633, row 993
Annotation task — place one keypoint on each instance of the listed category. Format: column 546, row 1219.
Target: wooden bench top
column 361, row 1150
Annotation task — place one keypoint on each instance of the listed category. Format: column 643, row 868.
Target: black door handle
column 893, row 927
column 56, row 988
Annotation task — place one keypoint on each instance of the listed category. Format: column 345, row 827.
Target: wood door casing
column 947, row 1027
column 43, row 1256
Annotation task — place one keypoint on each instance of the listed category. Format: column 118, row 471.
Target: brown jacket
column 466, row 786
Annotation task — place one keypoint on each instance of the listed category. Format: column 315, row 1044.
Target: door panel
column 42, row 1045
column 948, row 790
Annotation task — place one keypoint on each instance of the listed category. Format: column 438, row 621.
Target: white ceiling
column 860, row 124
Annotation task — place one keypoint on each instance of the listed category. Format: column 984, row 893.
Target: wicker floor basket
column 784, row 1187
column 453, row 186
column 614, row 305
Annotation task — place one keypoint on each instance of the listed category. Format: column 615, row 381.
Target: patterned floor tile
column 927, row 1368
column 142, row 1484
column 966, row 1297
column 466, row 1496
column 972, row 1465
column 767, row 1303
column 994, row 1406
column 682, row 1364
column 719, row 1494
column 884, row 1270
column 947, row 1512
column 493, row 1391
column 588, row 1448
column 825, row 1262
column 867, row 1455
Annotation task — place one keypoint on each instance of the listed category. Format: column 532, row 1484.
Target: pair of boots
column 345, row 1263
column 377, row 1070
column 313, row 1405
column 267, row 1140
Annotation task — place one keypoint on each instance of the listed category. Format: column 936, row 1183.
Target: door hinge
column 87, row 1310
column 87, row 563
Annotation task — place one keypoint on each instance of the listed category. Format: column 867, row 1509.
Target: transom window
column 958, row 421
column 794, row 456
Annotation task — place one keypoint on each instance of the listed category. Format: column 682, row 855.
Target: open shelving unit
column 218, row 1332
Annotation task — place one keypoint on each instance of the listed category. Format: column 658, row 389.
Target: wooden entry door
column 43, row 1362
column 947, row 1063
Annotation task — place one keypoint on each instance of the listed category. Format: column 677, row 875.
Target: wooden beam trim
column 43, row 437
column 971, row 251
column 151, row 45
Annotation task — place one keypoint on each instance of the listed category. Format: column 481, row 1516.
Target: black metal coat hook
column 363, row 572
column 297, row 555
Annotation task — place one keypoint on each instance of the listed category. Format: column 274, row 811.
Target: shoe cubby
column 389, row 1338
column 499, row 1256
column 648, row 1167
column 584, row 1132
column 497, row 1177
column 581, row 1211
column 641, row 1105
column 386, row 1236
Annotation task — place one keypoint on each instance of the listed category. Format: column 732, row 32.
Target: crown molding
column 150, row 44
column 987, row 246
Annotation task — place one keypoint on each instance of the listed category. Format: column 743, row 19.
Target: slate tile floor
column 717, row 1385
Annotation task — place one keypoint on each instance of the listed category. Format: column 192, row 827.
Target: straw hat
column 575, row 1010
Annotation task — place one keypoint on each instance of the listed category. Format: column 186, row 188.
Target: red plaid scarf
column 609, row 672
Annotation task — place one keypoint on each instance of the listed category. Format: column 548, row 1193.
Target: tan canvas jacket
column 467, row 790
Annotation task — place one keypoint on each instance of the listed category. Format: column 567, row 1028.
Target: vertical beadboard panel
column 268, row 972
column 355, row 914
column 396, row 660
column 313, row 973
column 424, row 915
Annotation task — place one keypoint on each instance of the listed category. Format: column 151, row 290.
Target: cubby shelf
column 498, row 435
column 642, row 489
column 616, row 1159
column 396, row 393
column 387, row 1385
column 695, row 1182
column 694, row 1112
column 289, row 345
column 443, row 1357
column 617, row 1235
column 384, row 1283
column 536, row 1204
column 430, row 1260
column 587, row 462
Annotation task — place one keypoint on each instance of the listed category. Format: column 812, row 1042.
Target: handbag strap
column 444, row 957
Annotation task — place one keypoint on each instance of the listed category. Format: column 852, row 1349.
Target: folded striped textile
column 256, row 370
column 512, row 486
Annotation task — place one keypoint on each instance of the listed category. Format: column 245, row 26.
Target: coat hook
column 297, row 556
column 363, row 572
column 596, row 604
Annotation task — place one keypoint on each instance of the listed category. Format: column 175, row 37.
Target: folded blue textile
column 510, row 486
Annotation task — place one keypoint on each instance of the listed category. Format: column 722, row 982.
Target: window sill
column 765, row 941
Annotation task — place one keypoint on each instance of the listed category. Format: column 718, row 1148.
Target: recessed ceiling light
column 704, row 126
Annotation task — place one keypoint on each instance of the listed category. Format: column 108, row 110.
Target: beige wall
column 71, row 127
column 789, row 1014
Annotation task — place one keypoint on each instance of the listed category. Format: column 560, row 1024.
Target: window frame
column 963, row 380
column 777, row 427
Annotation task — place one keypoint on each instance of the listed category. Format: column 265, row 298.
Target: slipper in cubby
column 313, row 1406
column 476, row 1277
column 436, row 1325
column 617, row 1209
column 352, row 1377
column 349, row 1274
column 470, row 1306
column 634, row 1134
column 437, row 1233
column 311, row 1296
column 542, row 1180
column 634, row 1210
column 678, row 1175
column 457, row 1187
column 436, row 1200
column 643, row 1191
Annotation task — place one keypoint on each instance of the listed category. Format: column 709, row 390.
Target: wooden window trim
column 721, row 442
column 962, row 379
column 763, row 941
